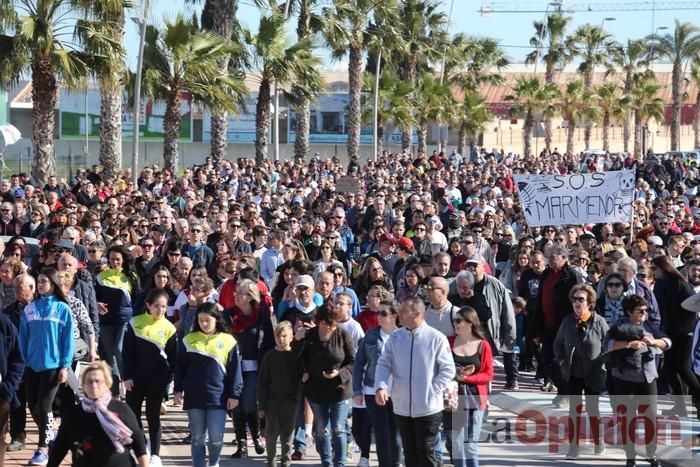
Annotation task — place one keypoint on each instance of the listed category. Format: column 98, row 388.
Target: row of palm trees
column 399, row 50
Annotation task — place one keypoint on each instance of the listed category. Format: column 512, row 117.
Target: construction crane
column 487, row 8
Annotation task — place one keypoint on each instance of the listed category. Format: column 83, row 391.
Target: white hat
column 304, row 281
column 692, row 303
column 655, row 240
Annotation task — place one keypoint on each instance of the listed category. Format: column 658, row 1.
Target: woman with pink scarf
column 101, row 430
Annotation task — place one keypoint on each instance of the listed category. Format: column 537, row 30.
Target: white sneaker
column 364, row 462
column 156, row 462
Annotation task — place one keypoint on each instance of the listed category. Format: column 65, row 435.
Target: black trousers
column 4, row 421
column 576, row 388
column 631, row 396
column 18, row 416
column 153, row 396
column 680, row 368
column 41, row 390
column 418, row 437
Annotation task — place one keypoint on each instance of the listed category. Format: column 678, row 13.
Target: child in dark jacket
column 278, row 391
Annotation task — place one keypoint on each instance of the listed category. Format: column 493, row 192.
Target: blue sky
column 512, row 30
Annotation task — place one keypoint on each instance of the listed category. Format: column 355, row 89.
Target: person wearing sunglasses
column 632, row 344
column 368, row 352
column 578, row 349
column 609, row 305
column 196, row 249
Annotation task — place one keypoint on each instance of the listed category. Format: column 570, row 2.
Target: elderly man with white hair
column 627, row 267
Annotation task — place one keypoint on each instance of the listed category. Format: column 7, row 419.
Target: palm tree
column 646, row 105
column 550, row 36
column 630, row 59
column 219, row 16
column 470, row 63
column 695, row 76
column 433, row 104
column 577, row 105
column 39, row 46
column 591, row 44
column 348, row 31
column 275, row 60
column 102, row 34
column 613, row 105
column 472, row 115
column 680, row 47
column 395, row 105
column 180, row 57
column 309, row 23
column 531, row 97
column 423, row 28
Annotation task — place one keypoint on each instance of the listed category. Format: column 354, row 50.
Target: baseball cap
column 304, row 281
column 406, row 243
column 387, row 237
column 476, row 258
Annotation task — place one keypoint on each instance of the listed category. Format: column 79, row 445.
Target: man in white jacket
column 418, row 361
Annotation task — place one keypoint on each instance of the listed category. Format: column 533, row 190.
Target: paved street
column 498, row 446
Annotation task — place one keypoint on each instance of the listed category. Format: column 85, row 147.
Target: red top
column 227, row 295
column 547, row 293
column 485, row 375
column 368, row 319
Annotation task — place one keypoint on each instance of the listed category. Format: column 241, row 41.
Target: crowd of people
column 261, row 293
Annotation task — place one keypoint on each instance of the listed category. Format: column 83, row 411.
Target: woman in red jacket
column 474, row 362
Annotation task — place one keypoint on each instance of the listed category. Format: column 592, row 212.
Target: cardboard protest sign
column 576, row 199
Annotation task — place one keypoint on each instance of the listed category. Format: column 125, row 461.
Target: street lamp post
column 653, row 38
column 277, row 98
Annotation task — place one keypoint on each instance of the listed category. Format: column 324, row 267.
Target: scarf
column 240, row 322
column 115, row 429
column 583, row 320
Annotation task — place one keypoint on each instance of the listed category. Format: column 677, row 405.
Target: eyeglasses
column 339, row 274
column 147, row 245
column 614, row 284
column 195, row 230
column 384, row 313
column 93, row 251
column 467, row 242
column 124, row 235
column 174, row 253
column 579, row 299
column 419, row 229
column 325, row 248
column 642, row 276
column 459, row 321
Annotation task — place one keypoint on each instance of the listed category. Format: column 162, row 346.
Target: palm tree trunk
column 218, row 16
column 410, row 75
column 588, row 124
column 606, row 131
column 111, row 125
column 462, row 138
column 548, row 78
column 44, row 97
column 354, row 104
column 627, row 126
column 638, row 134
column 696, row 122
column 303, row 108
column 302, row 128
column 171, row 131
column 380, row 136
column 527, row 134
column 676, row 93
column 262, row 120
column 422, row 137
column 570, row 129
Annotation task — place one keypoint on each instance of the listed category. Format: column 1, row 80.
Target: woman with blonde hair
column 252, row 328
column 372, row 273
column 100, row 430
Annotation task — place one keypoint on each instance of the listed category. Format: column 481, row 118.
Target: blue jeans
column 112, row 342
column 330, row 422
column 205, row 422
column 385, row 433
column 300, row 426
column 465, row 451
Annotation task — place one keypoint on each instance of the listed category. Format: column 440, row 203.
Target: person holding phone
column 474, row 371
column 329, row 357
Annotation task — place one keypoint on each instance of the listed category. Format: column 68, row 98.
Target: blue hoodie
column 46, row 334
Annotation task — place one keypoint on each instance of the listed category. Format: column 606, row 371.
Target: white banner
column 576, row 199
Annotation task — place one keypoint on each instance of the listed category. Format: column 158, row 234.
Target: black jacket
column 11, row 362
column 562, row 306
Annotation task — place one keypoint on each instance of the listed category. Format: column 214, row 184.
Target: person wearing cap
column 501, row 324
column 406, row 258
column 552, row 307
column 385, row 253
